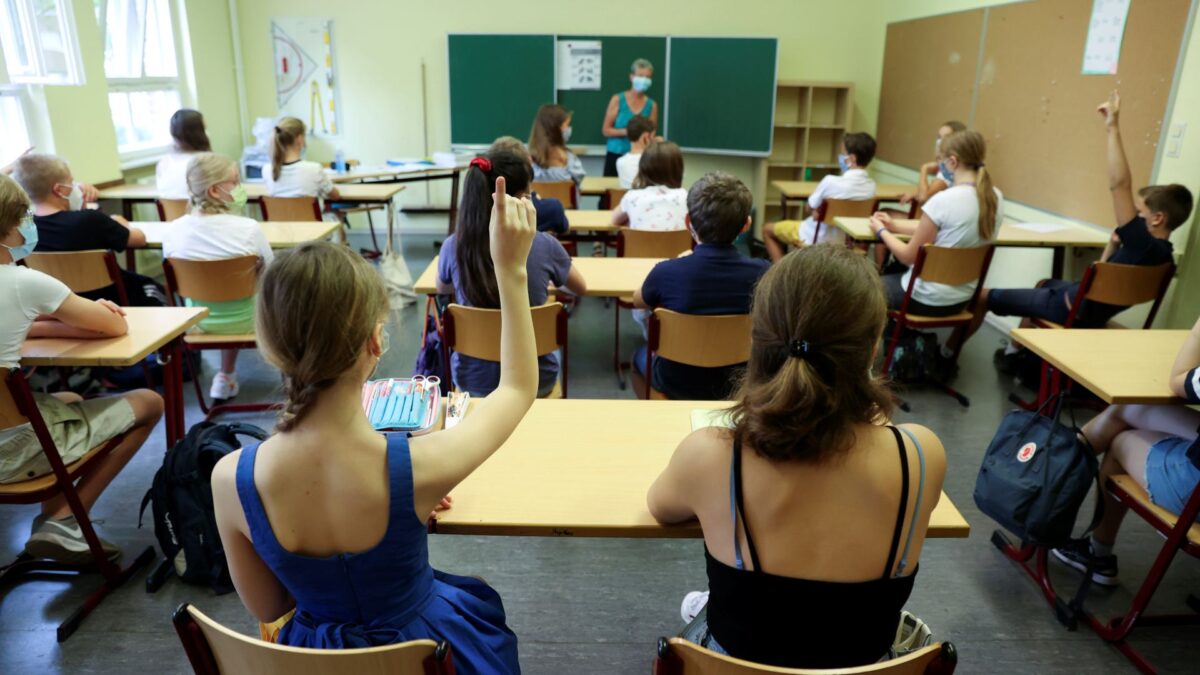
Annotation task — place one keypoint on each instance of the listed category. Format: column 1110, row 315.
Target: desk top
column 591, row 220
column 1011, row 234
column 605, row 277
column 598, row 185
column 367, row 173
column 149, row 329
column 1118, row 365
column 279, row 234
column 583, row 467
column 354, row 192
column 803, row 189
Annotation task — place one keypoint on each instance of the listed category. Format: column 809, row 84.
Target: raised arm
column 1120, row 183
column 1187, row 360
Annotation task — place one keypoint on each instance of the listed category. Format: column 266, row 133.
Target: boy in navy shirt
column 714, row 279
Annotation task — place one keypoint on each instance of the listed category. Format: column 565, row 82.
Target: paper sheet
column 578, row 64
column 1042, row 228
column 1102, row 51
column 704, row 417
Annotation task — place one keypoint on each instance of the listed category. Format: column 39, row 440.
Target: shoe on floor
column 1007, row 364
column 224, row 386
column 1077, row 554
column 62, row 540
column 692, row 604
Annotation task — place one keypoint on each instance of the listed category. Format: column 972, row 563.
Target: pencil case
column 402, row 404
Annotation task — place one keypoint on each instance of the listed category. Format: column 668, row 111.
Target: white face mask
column 566, row 134
column 75, row 198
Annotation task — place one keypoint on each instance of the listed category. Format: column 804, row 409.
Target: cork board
column 929, row 68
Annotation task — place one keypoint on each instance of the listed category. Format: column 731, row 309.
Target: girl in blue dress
column 327, row 517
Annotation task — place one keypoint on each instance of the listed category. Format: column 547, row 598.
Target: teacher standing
column 622, row 107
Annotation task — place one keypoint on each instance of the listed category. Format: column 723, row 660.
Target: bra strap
column 741, row 508
column 733, row 509
column 916, row 508
column 891, row 559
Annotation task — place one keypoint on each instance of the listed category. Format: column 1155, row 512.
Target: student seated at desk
column 714, row 279
column 552, row 160
column 290, row 175
column 465, row 269
column 814, row 509
column 657, row 200
column 36, row 305
column 212, row 232
column 934, row 176
column 857, row 151
column 641, row 134
column 190, row 138
column 65, row 225
column 1157, row 446
column 551, row 217
column 344, row 562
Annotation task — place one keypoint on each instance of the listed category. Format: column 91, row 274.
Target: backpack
column 181, row 493
column 916, row 356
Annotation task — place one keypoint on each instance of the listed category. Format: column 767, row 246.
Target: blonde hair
column 310, row 350
column 39, row 173
column 204, row 171
column 546, row 136
column 287, row 131
column 510, row 144
column 970, row 149
column 14, row 204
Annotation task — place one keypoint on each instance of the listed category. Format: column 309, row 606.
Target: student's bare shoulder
column 931, row 445
column 706, row 446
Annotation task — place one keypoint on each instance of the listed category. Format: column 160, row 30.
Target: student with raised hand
column 551, row 216
column 465, row 266
column 657, row 200
column 814, row 508
column 36, row 305
column 212, row 230
column 552, row 160
column 290, row 175
column 349, row 553
column 189, row 137
column 934, row 176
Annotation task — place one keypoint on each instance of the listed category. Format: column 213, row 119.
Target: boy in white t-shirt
column 641, row 134
column 289, row 174
column 37, row 305
column 657, row 200
column 858, row 149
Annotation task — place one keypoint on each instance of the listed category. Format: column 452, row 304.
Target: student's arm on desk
column 667, row 499
column 906, row 252
column 575, row 281
column 1187, row 360
column 79, row 317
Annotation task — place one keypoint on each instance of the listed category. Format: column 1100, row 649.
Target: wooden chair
column 562, row 190
column 943, row 265
column 831, row 209
column 677, row 656
column 17, row 407
column 612, row 197
column 705, row 341
column 214, row 281
column 475, row 332
column 82, row 271
column 643, row 244
column 170, row 209
column 213, row 649
column 291, row 209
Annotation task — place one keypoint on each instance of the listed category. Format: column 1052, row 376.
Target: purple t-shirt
column 548, row 264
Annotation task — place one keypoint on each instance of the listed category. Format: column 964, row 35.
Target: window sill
column 141, row 159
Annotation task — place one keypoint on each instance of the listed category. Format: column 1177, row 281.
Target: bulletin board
column 306, row 84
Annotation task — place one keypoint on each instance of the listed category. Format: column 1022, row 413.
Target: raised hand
column 513, row 224
column 1110, row 109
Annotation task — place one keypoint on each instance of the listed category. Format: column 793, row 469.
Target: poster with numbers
column 1102, row 52
column 306, row 84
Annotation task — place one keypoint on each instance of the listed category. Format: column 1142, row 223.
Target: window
column 39, row 41
column 15, row 138
column 142, row 67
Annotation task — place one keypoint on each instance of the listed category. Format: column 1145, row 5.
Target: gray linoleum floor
column 585, row 606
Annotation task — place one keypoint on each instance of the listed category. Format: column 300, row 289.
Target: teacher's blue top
column 620, row 144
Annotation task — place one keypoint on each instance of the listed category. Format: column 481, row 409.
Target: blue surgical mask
column 946, row 174
column 566, row 134
column 642, row 83
column 29, row 231
column 844, row 162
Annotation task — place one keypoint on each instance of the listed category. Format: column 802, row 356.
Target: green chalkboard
column 722, row 94
column 497, row 83
column 617, row 54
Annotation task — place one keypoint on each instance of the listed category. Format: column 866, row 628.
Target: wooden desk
column 803, row 189
column 151, row 329
column 596, row 186
column 583, row 467
column 279, row 234
column 605, row 277
column 591, row 220
column 1119, row 366
column 390, row 174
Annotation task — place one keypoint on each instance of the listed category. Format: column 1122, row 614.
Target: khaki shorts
column 75, row 428
column 788, row 231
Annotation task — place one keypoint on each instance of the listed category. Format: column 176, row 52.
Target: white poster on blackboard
column 578, row 64
column 306, row 84
column 1102, row 52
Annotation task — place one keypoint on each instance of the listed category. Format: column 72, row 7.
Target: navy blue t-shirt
column 715, row 279
column 551, row 217
column 1138, row 247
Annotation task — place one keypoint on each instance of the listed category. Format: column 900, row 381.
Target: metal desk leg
column 1060, row 257
column 173, row 392
column 453, row 202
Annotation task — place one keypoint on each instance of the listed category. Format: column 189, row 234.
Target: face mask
column 29, row 231
column 844, row 163
column 75, row 198
column 239, row 197
column 566, row 134
column 641, row 83
column 946, row 174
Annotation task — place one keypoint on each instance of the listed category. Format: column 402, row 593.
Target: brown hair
column 954, row 126
column 970, row 149
column 718, row 205
column 862, row 146
column 472, row 233
column 204, row 171
column 287, row 131
column 661, row 164
column 639, row 126
column 808, row 381
column 546, row 136
column 1173, row 201
column 187, row 128
column 14, row 204
column 310, row 350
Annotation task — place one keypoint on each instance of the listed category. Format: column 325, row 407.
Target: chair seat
column 1166, row 518
column 556, row 392
column 202, row 339
column 1046, row 323
column 918, row 320
column 626, row 301
column 42, row 483
column 656, row 395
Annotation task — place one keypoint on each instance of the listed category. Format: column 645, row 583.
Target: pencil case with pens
column 402, row 404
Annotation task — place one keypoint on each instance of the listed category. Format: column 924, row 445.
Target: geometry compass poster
column 306, row 84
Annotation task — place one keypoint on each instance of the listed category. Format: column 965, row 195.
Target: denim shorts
column 1170, row 474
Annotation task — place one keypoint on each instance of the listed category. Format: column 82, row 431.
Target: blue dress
column 387, row 594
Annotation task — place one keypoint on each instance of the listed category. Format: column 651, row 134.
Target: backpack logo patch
column 1026, row 452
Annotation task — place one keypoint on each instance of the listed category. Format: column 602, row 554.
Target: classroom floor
column 597, row 605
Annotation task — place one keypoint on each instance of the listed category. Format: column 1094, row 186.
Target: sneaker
column 224, row 386
column 62, row 540
column 1077, row 554
column 1007, row 364
column 692, row 604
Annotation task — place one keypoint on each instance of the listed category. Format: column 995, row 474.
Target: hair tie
column 483, row 163
column 278, row 130
column 798, row 348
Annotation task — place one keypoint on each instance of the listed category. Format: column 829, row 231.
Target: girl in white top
column 211, row 232
column 966, row 215
column 290, row 175
column 170, row 176
column 657, row 200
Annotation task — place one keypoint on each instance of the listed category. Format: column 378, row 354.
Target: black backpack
column 183, row 504
column 916, row 356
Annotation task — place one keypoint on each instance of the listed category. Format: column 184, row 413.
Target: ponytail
column 472, row 250
column 287, row 131
column 970, row 149
column 988, row 203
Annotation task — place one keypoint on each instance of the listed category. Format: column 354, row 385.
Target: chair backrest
column 475, row 332
column 291, row 209
column 212, row 280
column 81, row 271
column 213, row 648
column 703, row 341
column 953, row 266
column 170, row 209
column 680, row 657
column 562, row 190
column 846, row 208
column 652, row 243
column 613, row 196
column 1129, row 285
column 10, row 412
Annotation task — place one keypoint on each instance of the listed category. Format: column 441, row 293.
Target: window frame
column 36, row 73
column 17, row 94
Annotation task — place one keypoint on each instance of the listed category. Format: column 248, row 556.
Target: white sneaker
column 224, row 386
column 692, row 604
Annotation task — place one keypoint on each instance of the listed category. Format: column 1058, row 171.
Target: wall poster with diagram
column 306, row 84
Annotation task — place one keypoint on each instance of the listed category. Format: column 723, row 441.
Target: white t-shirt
column 854, row 184
column 298, row 179
column 657, row 207
column 955, row 211
column 25, row 294
column 170, row 176
column 627, row 168
column 215, row 237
